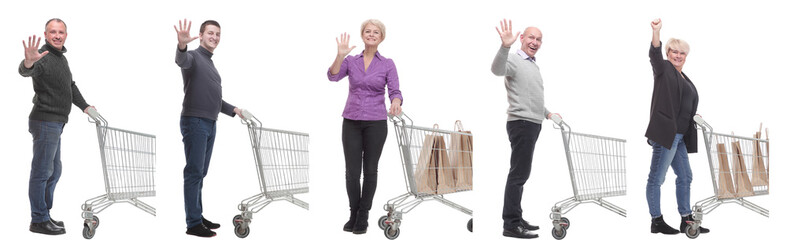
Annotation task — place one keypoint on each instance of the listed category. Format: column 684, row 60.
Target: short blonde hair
column 376, row 23
column 677, row 44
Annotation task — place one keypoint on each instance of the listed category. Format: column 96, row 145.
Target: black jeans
column 523, row 136
column 363, row 144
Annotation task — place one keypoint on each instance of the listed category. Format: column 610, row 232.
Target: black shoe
column 689, row 218
column 519, row 232
column 58, row 223
column 528, row 226
column 47, row 227
column 657, row 225
column 200, row 231
column 361, row 222
column 210, row 224
column 348, row 227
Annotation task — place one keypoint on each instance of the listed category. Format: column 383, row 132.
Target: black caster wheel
column 87, row 233
column 390, row 233
column 237, row 220
column 692, row 233
column 381, row 222
column 242, row 232
column 558, row 234
column 565, row 220
column 470, row 225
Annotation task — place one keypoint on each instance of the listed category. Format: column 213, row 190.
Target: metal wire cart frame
column 129, row 163
column 411, row 150
column 597, row 167
column 750, row 172
column 282, row 160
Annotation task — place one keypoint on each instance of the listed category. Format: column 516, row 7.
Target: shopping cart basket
column 411, row 141
column 597, row 167
column 750, row 171
column 282, row 160
column 129, row 162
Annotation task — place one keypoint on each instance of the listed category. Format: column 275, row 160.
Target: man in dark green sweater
column 55, row 91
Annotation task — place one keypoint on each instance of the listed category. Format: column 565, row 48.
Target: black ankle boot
column 683, row 224
column 657, row 225
column 361, row 222
column 348, row 227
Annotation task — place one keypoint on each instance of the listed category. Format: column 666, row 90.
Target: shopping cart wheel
column 237, row 220
column 470, row 225
column 87, row 233
column 558, row 234
column 565, row 220
column 390, row 233
column 381, row 222
column 95, row 219
column 692, row 233
column 242, row 232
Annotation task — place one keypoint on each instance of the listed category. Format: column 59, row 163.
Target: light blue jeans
column 663, row 158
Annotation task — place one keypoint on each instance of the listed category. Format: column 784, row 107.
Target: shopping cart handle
column 557, row 119
column 398, row 115
column 93, row 113
column 698, row 119
column 246, row 115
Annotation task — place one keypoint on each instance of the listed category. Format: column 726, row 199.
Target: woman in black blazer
column 671, row 131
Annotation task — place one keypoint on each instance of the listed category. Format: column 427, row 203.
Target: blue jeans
column 663, row 158
column 198, row 137
column 45, row 169
column 523, row 136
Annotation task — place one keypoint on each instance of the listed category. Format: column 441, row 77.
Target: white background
column 273, row 59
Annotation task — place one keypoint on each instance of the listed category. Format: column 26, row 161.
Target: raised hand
column 184, row 33
column 505, row 33
column 343, row 45
column 31, row 51
column 656, row 24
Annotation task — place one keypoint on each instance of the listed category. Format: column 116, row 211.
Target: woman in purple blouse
column 365, row 128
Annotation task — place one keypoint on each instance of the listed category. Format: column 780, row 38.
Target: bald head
column 531, row 41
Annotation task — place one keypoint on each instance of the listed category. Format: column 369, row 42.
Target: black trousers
column 523, row 136
column 363, row 144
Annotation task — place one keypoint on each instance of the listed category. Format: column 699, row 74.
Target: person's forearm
column 656, row 41
column 500, row 61
column 337, row 64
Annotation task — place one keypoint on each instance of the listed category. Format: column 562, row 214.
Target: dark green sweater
column 53, row 86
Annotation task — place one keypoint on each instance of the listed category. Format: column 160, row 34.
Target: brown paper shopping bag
column 759, row 174
column 446, row 182
column 726, row 188
column 425, row 174
column 461, row 155
column 743, row 186
column 768, row 152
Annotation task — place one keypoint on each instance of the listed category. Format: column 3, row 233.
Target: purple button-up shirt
column 366, row 98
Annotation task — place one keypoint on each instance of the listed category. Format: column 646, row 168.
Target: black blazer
column 665, row 104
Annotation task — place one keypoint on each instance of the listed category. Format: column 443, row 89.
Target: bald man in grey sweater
column 526, row 111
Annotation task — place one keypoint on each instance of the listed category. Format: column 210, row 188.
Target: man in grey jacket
column 55, row 91
column 202, row 103
column 526, row 111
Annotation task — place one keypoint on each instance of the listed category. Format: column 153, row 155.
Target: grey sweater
column 54, row 88
column 523, row 84
column 201, row 85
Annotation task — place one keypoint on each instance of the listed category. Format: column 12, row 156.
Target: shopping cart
column 129, row 162
column 282, row 160
column 751, row 177
column 410, row 139
column 597, row 167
